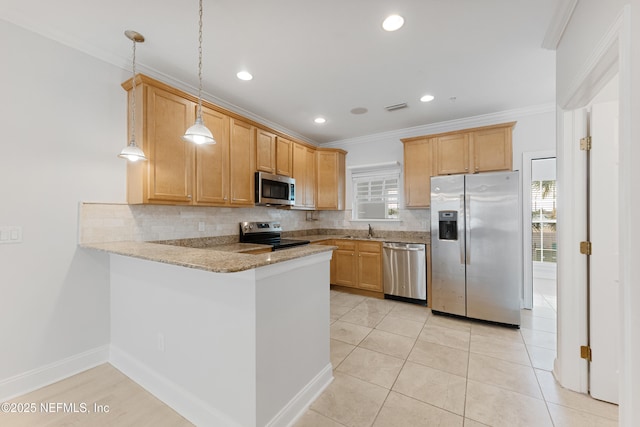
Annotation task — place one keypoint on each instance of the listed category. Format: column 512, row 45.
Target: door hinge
column 585, row 143
column 585, row 248
column 585, row 352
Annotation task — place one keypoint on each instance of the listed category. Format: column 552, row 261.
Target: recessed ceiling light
column 244, row 75
column 320, row 120
column 359, row 110
column 393, row 23
column 427, row 98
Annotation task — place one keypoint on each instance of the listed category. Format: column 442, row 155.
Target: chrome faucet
column 370, row 234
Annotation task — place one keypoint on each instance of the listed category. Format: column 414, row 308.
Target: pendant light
column 198, row 133
column 132, row 152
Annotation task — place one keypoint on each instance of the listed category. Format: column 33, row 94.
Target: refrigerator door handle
column 467, row 222
column 461, row 243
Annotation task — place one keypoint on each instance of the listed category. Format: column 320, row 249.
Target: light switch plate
column 10, row 234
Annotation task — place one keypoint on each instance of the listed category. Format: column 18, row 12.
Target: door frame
column 611, row 56
column 527, row 158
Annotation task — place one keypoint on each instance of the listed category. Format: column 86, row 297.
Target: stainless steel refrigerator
column 476, row 246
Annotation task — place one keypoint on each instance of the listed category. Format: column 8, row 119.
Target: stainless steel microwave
column 274, row 189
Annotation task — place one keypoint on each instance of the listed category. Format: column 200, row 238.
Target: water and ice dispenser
column 448, row 225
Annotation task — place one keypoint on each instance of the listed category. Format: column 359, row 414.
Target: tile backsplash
column 110, row 222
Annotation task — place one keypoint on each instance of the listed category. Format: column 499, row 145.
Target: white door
column 605, row 260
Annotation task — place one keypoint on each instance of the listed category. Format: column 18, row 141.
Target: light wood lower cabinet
column 358, row 264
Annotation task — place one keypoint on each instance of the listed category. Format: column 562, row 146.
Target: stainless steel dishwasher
column 404, row 270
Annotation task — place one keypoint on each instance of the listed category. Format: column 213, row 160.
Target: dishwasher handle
column 404, row 248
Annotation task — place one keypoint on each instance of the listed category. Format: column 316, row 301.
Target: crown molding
column 558, row 24
column 447, row 126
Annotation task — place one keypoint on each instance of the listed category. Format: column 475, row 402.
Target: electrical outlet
column 201, row 226
column 10, row 234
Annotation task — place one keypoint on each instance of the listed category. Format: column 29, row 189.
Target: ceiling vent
column 396, row 106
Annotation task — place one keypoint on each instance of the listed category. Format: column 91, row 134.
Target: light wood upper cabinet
column 418, row 170
column 265, row 151
column 304, row 172
column 212, row 162
column 330, row 179
column 222, row 174
column 166, row 177
column 491, row 149
column 284, row 156
column 484, row 149
column 452, row 154
column 310, row 182
column 242, row 164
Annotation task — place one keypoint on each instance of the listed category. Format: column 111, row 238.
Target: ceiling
column 323, row 58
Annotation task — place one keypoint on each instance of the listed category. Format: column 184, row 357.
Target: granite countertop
column 224, row 258
column 406, row 239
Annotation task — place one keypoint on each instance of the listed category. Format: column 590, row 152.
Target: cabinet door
column 170, row 158
column 241, row 163
column 265, row 151
column 491, row 150
column 452, row 154
column 331, row 180
column 370, row 266
column 212, row 162
column 300, row 174
column 284, row 160
column 310, row 179
column 418, row 169
column 346, row 268
column 370, row 271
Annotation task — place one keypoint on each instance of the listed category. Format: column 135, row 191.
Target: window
column 543, row 221
column 376, row 192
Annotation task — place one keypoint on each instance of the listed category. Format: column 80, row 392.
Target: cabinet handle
column 188, row 196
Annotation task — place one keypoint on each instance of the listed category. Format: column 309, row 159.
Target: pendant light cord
column 200, row 64
column 133, row 97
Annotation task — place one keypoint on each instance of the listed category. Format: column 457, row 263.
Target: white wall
column 63, row 123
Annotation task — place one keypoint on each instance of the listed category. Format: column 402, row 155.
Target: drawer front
column 375, row 247
column 347, row 245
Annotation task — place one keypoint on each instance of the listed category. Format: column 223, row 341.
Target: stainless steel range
column 267, row 233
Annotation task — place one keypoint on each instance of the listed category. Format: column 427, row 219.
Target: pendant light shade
column 132, row 152
column 198, row 133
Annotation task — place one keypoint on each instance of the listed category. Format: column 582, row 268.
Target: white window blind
column 376, row 191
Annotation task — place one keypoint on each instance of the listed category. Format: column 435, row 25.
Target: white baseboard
column 301, row 401
column 199, row 412
column 182, row 401
column 51, row 373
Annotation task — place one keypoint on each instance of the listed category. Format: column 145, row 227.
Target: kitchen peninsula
column 223, row 337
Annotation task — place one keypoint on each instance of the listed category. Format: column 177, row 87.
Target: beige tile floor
column 396, row 364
